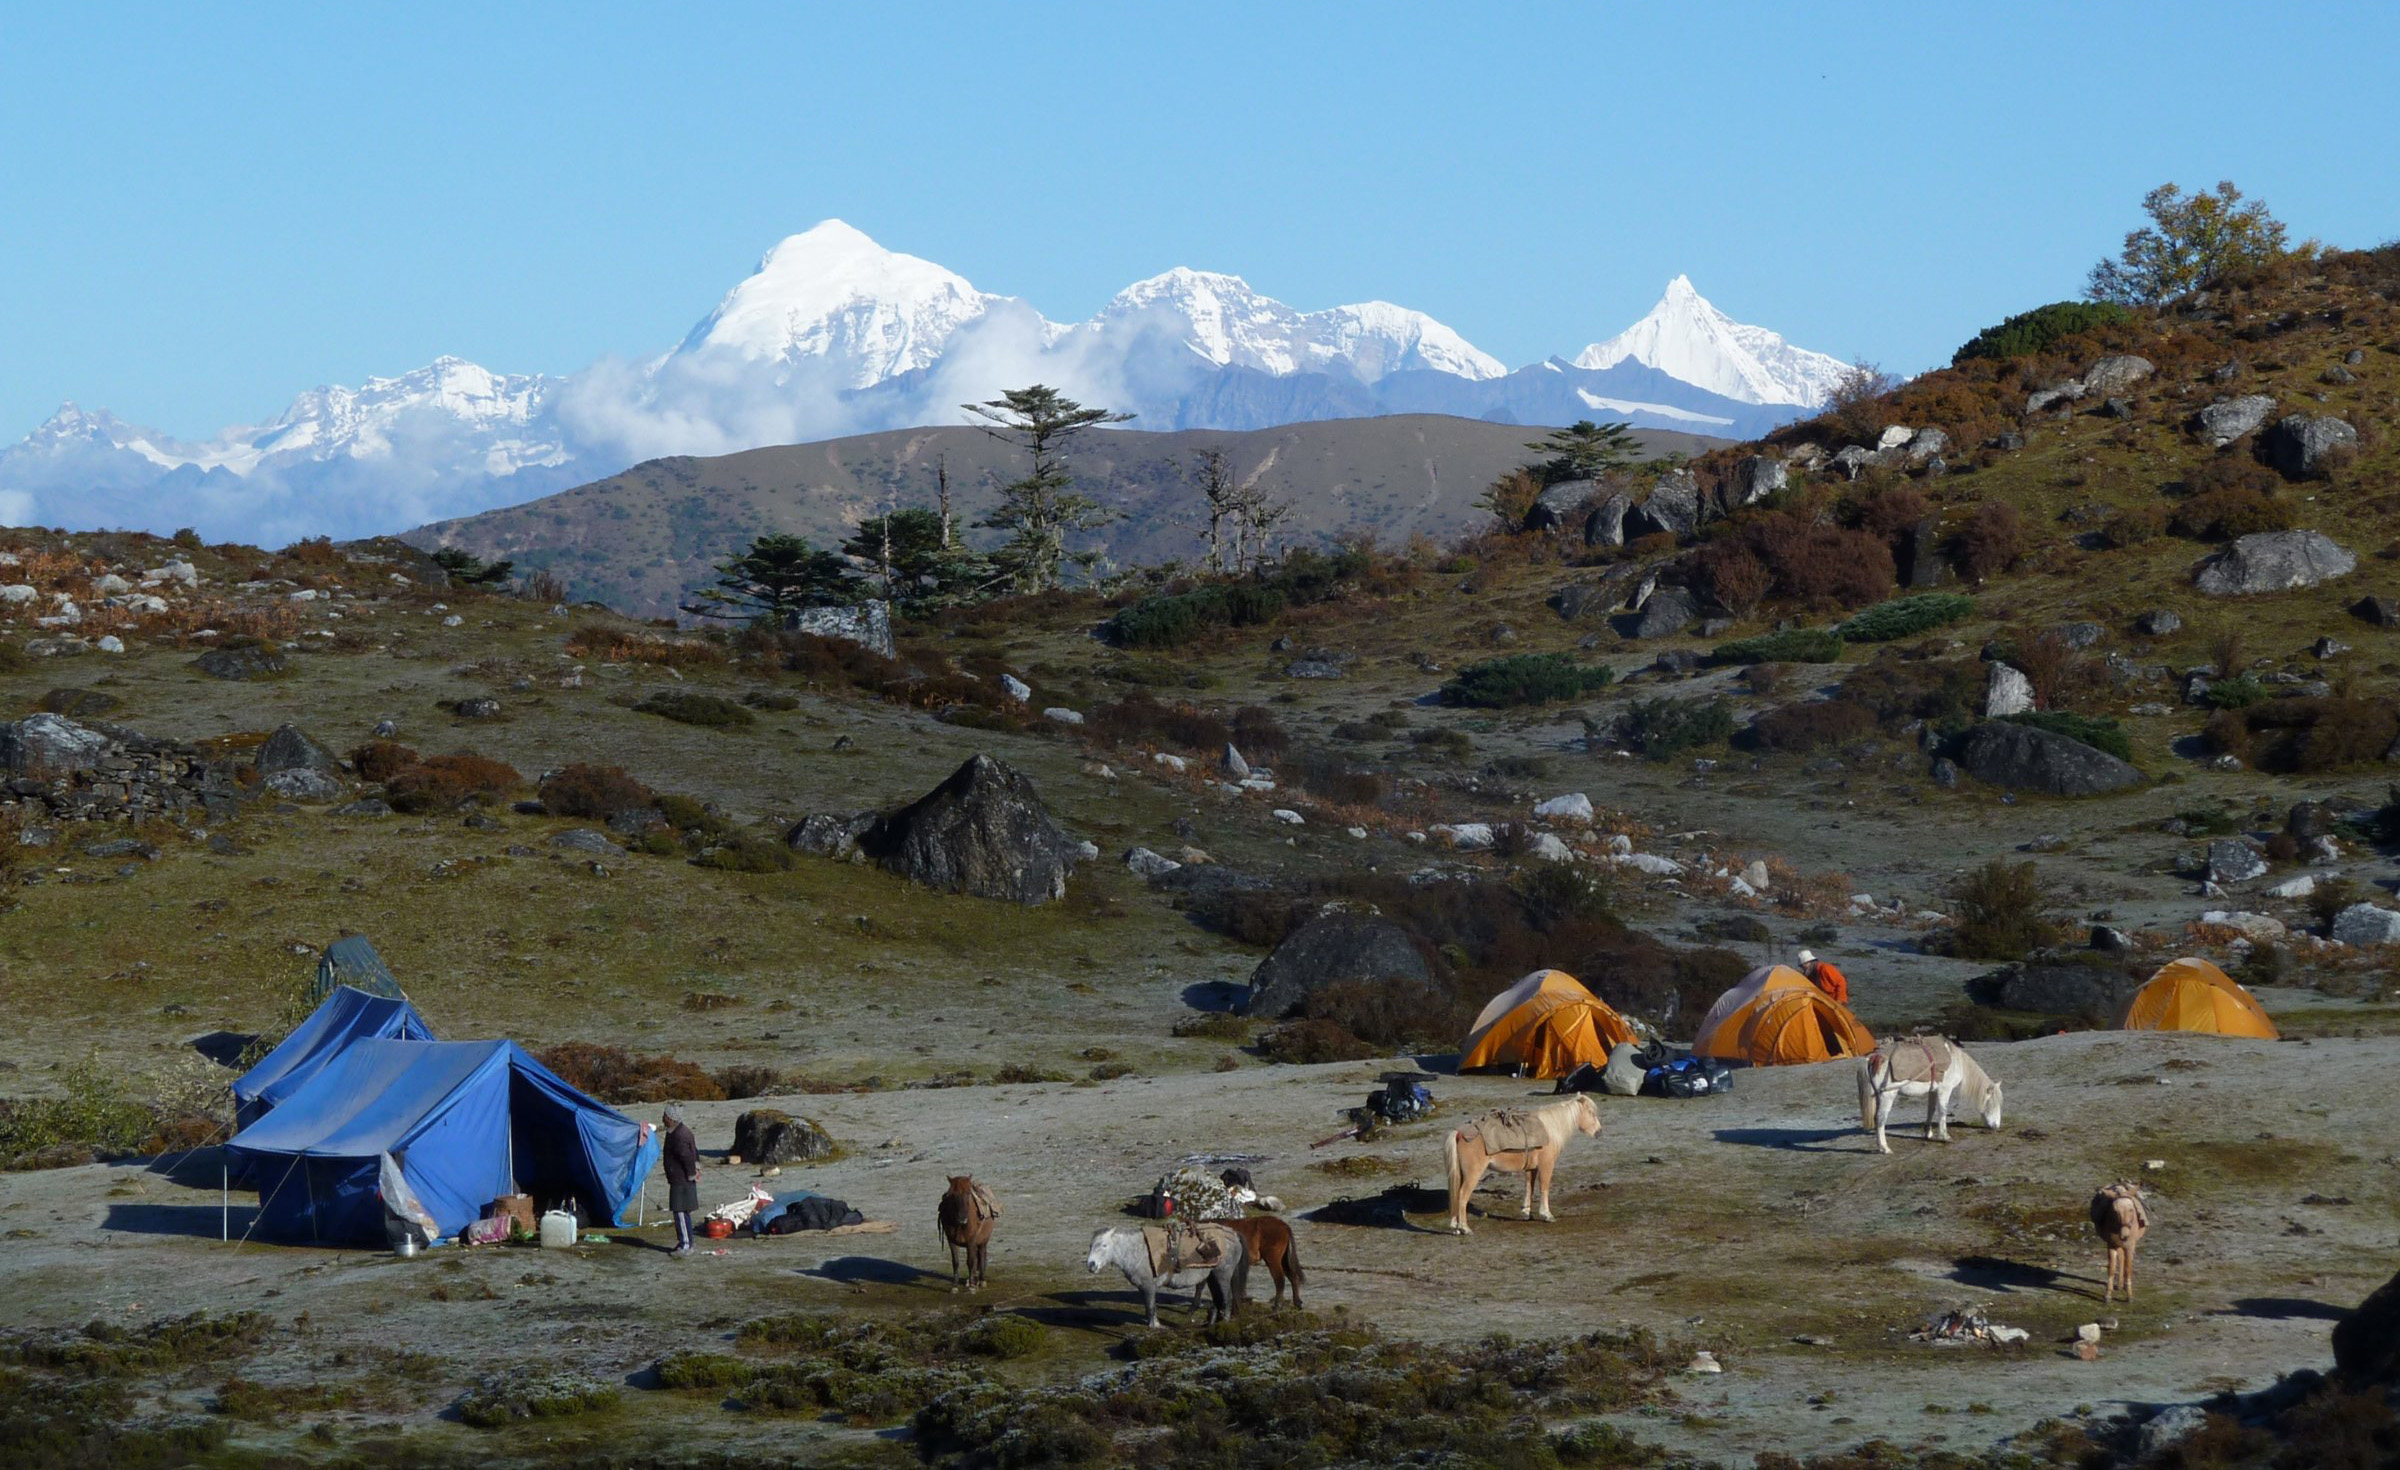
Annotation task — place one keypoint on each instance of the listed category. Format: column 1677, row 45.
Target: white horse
column 1931, row 1067
column 1524, row 1141
column 1227, row 1276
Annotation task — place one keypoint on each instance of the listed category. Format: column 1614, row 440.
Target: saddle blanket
column 1181, row 1247
column 986, row 1206
column 2104, row 1206
column 1508, row 1131
column 1925, row 1059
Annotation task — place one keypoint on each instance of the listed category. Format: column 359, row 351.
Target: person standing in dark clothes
column 681, row 1153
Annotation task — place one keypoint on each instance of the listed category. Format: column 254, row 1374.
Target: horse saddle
column 982, row 1203
column 1180, row 1247
column 1507, row 1131
column 2104, row 1206
column 1918, row 1059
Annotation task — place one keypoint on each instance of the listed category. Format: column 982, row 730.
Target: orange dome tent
column 2194, row 995
column 1727, row 1032
column 1546, row 1022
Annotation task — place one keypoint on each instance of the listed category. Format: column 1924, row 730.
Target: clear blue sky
column 204, row 210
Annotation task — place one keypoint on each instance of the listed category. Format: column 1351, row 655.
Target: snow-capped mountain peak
column 832, row 292
column 1231, row 324
column 1685, row 337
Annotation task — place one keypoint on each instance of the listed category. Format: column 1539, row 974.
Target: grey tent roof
column 352, row 961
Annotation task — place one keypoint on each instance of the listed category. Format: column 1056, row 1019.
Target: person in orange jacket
column 1825, row 976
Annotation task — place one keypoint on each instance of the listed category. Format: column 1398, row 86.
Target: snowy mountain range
column 833, row 335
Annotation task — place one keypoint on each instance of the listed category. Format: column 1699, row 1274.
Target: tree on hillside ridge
column 917, row 564
column 2192, row 239
column 776, row 576
column 1584, row 451
column 1041, row 510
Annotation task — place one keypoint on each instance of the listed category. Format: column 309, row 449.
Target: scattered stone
column 1143, row 863
column 50, row 744
column 2380, row 612
column 453, row 620
column 1704, row 1361
column 2300, row 445
column 1465, row 836
column 869, row 625
column 1317, row 664
column 477, row 709
column 1288, row 817
column 2229, row 419
column 1943, row 772
column 1551, row 508
column 1232, row 764
column 1061, row 716
column 1673, row 507
column 2080, row 636
column 304, row 784
column 2274, row 561
column 2116, row 374
column 1754, row 876
column 2088, row 1352
column 1650, row 863
column 386, row 730
column 1668, row 611
column 243, row 662
column 2109, row 940
column 1756, row 478
column 636, row 822
column 2364, row 924
column 370, row 806
column 2169, row 1427
column 290, row 749
column 2329, row 647
column 2300, row 887
column 1547, row 847
column 1573, row 807
column 2059, row 396
column 2088, row 1332
column 110, row 643
column 1605, row 526
column 587, row 840
column 2006, row 691
column 2233, row 860
column 1173, row 763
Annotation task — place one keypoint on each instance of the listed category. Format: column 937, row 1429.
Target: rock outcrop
column 2023, row 758
column 983, row 831
column 771, row 1136
column 2229, row 419
column 1333, row 947
column 2302, row 445
column 2274, row 561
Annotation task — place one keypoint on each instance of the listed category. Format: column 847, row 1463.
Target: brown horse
column 2122, row 1217
column 1267, row 1241
column 1515, row 1140
column 965, row 1216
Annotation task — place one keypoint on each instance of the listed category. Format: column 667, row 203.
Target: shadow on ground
column 1804, row 1140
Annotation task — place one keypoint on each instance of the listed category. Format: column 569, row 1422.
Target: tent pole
column 224, row 1202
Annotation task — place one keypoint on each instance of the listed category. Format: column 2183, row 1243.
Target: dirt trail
column 1740, row 1223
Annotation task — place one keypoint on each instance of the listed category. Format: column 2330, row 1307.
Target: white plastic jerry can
column 558, row 1229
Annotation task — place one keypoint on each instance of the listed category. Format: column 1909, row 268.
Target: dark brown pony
column 1266, row 1241
column 965, row 1216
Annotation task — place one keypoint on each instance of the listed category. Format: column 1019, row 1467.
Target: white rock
column 2006, row 692
column 1862, row 900
column 110, row 643
column 1016, row 688
column 1895, row 436
column 1736, row 888
column 2088, row 1332
column 19, row 592
column 2300, row 887
column 1648, row 862
column 1255, row 783
column 1573, row 807
column 1087, row 849
column 1549, row 849
column 1704, row 1362
column 1060, row 715
column 1232, row 764
column 1465, row 836
column 1288, row 817
column 2154, row 1165
column 184, row 572
column 1357, row 832
column 305, row 594
column 2253, row 926
column 441, row 607
column 1619, row 844
column 1418, row 837
column 1143, row 863
column 452, row 621
column 1754, row 876
column 110, row 585
column 1171, row 762
column 2006, row 1335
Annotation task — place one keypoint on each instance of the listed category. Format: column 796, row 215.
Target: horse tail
column 1291, row 1260
column 1450, row 1159
column 1867, row 1066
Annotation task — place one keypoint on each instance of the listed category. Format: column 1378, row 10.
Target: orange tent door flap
column 1720, row 1033
column 1797, row 1027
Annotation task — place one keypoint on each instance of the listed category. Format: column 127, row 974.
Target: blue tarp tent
column 468, row 1121
column 347, row 1015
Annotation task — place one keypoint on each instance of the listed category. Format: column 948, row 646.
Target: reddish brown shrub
column 1311, row 1040
column 1838, row 568
column 614, row 1075
column 1898, row 690
column 597, row 792
column 2305, row 736
column 1892, row 512
column 1735, row 577
column 1259, row 733
column 1992, row 540
column 381, row 760
column 2221, row 515
column 1141, row 716
column 1391, row 1014
column 441, row 782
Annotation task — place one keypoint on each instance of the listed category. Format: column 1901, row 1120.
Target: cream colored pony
column 2122, row 1217
column 1931, row 1067
column 1518, row 1141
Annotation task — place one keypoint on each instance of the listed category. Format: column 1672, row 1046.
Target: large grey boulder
column 983, row 831
column 2274, row 561
column 1668, row 611
column 772, row 1136
column 305, row 783
column 290, row 749
column 2366, row 925
column 2044, row 399
column 2229, row 419
column 2056, row 987
column 1756, row 478
column 49, row 745
column 2111, row 375
column 243, row 662
column 2300, row 445
column 1602, row 595
column 869, row 625
column 1333, row 947
column 1924, row 445
column 2023, row 758
column 2232, row 860
column 1921, row 563
column 1673, row 506
column 1551, row 508
column 830, row 834
column 1605, row 526
column 1851, row 459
